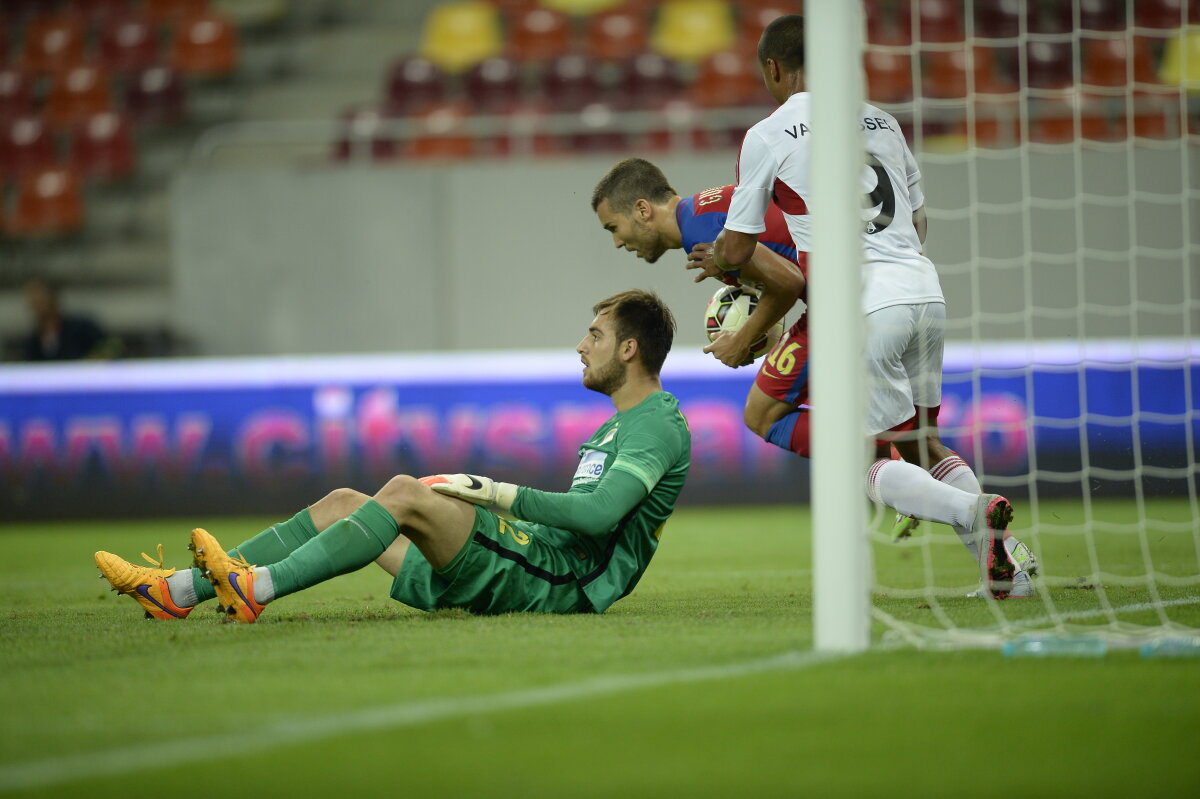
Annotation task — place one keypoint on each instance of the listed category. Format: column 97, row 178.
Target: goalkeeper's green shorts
column 506, row 566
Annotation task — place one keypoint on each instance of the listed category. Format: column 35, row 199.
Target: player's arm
column 757, row 170
column 921, row 223
column 588, row 513
column 782, row 282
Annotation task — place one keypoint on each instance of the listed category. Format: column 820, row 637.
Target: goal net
column 1059, row 148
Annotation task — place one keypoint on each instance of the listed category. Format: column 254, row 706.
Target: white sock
column 183, row 590
column 912, row 491
column 954, row 471
column 264, row 586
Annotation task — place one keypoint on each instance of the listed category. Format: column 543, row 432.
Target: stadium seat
column 1156, row 114
column 568, row 82
column 941, row 21
column 204, row 46
column 728, row 80
column 889, row 76
column 48, row 203
column 493, row 86
column 690, row 30
column 997, row 19
column 458, row 35
column 1049, row 16
column 170, row 11
column 26, row 145
column 156, row 96
column 648, row 81
column 944, row 74
column 442, row 134
column 413, row 83
column 600, row 131
column 1050, row 64
column 581, row 8
column 1166, row 14
column 1052, row 121
column 997, row 121
column 1102, row 15
column 77, row 94
column 102, row 147
column 361, row 137
column 1181, row 61
column 753, row 18
column 127, row 44
column 616, row 35
column 99, row 11
column 539, row 34
column 889, row 22
column 1106, row 62
column 53, row 44
column 16, row 93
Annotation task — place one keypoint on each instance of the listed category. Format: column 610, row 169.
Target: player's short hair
column 631, row 180
column 783, row 41
column 642, row 315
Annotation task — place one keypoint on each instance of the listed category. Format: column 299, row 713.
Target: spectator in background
column 58, row 336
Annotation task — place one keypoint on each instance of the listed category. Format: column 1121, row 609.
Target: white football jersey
column 773, row 165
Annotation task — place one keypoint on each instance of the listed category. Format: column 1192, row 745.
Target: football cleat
column 233, row 578
column 1021, row 555
column 1022, row 587
column 147, row 586
column 904, row 526
column 993, row 514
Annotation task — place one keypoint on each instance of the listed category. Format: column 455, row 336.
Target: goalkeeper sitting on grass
column 573, row 552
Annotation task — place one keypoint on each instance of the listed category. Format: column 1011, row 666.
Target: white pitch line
column 126, row 759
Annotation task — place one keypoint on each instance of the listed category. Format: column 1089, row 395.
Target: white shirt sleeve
column 757, row 170
column 916, row 196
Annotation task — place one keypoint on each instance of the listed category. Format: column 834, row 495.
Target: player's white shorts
column 904, row 362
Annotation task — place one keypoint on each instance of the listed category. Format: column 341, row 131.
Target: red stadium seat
column 494, row 85
column 204, row 46
column 26, row 145
column 889, row 22
column 99, row 11
column 1052, row 121
column 48, row 203
column 889, row 76
column 442, row 135
column 728, row 80
column 941, row 20
column 128, row 44
column 77, row 94
column 617, row 34
column 568, row 82
column 945, row 74
column 413, row 84
column 156, row 96
column 53, row 44
column 539, row 34
column 649, row 81
column 16, row 94
column 169, row 11
column 1106, row 62
column 1050, row 64
column 102, row 147
column 753, row 18
column 1166, row 14
column 1102, row 15
column 600, row 131
column 361, row 137
column 997, row 19
column 1049, row 16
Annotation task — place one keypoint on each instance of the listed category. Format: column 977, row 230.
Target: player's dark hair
column 642, row 315
column 783, row 41
column 631, row 180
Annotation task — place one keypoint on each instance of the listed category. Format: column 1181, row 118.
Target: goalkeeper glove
column 475, row 489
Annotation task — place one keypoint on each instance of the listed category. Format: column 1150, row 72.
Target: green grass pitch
column 702, row 683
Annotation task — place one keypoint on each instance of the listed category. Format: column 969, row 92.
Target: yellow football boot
column 148, row 586
column 232, row 577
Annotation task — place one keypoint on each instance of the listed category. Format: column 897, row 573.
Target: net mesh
column 1058, row 144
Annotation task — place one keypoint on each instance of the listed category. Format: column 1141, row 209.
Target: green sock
column 344, row 546
column 270, row 546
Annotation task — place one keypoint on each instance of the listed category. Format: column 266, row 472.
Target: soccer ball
column 729, row 309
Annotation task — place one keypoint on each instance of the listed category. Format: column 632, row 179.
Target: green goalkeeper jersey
column 630, row 474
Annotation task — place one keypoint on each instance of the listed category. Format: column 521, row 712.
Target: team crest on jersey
column 610, row 435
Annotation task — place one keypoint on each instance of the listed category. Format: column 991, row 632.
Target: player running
column 902, row 300
column 637, row 205
column 573, row 552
